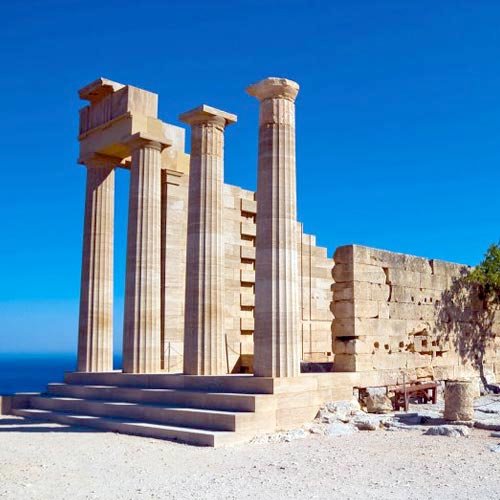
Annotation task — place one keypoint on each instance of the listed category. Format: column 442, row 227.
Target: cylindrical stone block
column 95, row 331
column 459, row 400
column 141, row 333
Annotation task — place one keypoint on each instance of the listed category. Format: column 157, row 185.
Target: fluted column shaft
column 95, row 331
column 141, row 334
column 276, row 337
column 204, row 306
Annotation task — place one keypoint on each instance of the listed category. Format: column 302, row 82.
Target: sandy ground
column 48, row 461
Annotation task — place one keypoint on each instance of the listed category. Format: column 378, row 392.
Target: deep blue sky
column 398, row 125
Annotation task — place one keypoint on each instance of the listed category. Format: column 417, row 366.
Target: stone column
column 204, row 306
column 95, row 332
column 276, row 337
column 141, row 329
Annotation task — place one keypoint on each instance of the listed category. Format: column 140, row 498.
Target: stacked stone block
column 389, row 311
column 240, row 209
column 316, row 300
column 174, row 236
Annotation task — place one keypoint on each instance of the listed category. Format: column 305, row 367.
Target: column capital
column 205, row 114
column 140, row 139
column 97, row 160
column 274, row 88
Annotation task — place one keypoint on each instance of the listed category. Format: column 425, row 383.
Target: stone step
column 169, row 415
column 186, row 435
column 241, row 384
column 177, row 397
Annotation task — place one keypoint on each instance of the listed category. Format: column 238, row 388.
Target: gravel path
column 48, row 461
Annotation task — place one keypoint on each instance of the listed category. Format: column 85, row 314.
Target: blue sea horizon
column 31, row 372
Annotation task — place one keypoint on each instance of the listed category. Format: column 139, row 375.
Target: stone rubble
column 342, row 418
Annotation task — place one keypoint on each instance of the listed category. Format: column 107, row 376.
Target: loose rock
column 378, row 403
column 448, row 430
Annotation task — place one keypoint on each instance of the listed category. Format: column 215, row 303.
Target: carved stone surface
column 277, row 319
column 95, row 333
column 204, row 306
column 141, row 334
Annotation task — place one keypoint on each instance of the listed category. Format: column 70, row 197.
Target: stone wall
column 240, row 210
column 409, row 314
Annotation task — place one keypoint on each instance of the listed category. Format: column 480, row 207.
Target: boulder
column 378, row 403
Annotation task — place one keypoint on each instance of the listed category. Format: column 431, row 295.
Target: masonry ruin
column 226, row 295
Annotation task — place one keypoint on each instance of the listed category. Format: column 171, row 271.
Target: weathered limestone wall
column 240, row 209
column 400, row 312
column 316, row 300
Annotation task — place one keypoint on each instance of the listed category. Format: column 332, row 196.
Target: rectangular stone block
column 247, row 253
column 402, row 277
column 404, row 311
column 248, row 229
column 358, row 272
column 368, row 273
column 322, row 272
column 247, row 300
column 353, row 362
column 249, row 206
column 383, row 310
column 343, row 327
column 386, row 259
column 379, row 327
column 443, row 268
column 319, row 252
column 344, row 254
column 345, row 291
column 247, row 276
column 358, row 345
column 354, row 309
column 434, row 282
column 247, row 324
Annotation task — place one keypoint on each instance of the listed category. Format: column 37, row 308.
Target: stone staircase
column 204, row 411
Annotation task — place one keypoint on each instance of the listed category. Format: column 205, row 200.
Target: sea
column 32, row 372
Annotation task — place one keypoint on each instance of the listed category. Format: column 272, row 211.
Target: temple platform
column 197, row 410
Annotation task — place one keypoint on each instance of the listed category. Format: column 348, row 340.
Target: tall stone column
column 141, row 330
column 276, row 337
column 95, row 331
column 204, row 307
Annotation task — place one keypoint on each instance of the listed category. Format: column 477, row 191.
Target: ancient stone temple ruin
column 235, row 321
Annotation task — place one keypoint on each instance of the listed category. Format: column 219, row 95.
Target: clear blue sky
column 398, row 125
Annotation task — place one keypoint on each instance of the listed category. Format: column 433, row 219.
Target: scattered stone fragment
column 495, row 448
column 367, row 423
column 448, row 430
column 378, row 403
column 339, row 429
column 340, row 410
column 295, row 434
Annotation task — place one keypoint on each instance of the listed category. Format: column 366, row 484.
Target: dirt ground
column 49, row 461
